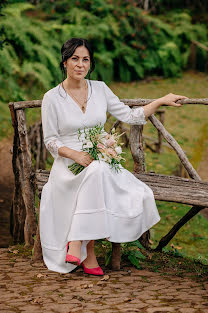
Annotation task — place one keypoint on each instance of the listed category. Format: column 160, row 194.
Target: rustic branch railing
column 166, row 188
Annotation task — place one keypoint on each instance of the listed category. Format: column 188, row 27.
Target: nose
column 80, row 63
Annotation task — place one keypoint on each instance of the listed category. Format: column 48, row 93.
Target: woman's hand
column 170, row 99
column 83, row 158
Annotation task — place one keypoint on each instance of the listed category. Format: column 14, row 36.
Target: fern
column 128, row 42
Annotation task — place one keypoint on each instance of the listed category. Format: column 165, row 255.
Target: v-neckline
column 75, row 101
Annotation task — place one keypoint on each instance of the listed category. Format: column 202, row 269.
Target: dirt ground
column 30, row 287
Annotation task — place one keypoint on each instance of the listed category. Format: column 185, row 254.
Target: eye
column 86, row 59
column 74, row 58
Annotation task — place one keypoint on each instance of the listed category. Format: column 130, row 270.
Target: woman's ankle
column 75, row 248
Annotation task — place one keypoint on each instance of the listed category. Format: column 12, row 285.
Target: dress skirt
column 98, row 203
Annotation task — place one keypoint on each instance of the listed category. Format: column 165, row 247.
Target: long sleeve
column 121, row 111
column 50, row 126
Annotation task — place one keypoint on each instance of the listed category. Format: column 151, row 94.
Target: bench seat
column 164, row 187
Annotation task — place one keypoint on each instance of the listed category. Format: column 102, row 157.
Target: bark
column 176, row 189
column 116, row 256
column 26, row 177
column 37, row 256
column 129, row 102
column 159, row 143
column 136, row 146
column 137, row 151
column 17, row 212
column 37, row 146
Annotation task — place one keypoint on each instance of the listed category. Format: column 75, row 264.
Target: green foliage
column 132, row 251
column 31, row 58
column 129, row 43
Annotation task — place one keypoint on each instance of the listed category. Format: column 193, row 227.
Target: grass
column 188, row 124
column 191, row 240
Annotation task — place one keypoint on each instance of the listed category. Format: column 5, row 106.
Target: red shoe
column 93, row 271
column 72, row 259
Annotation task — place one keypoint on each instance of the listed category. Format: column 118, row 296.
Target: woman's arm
column 68, row 152
column 168, row 100
column 138, row 115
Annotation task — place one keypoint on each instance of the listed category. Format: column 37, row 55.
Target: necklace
column 85, row 101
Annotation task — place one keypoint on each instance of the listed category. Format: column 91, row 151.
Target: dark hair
column 67, row 50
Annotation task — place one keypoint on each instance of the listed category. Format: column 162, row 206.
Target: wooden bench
column 191, row 191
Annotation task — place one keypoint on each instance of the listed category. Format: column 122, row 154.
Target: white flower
column 118, row 150
column 89, row 144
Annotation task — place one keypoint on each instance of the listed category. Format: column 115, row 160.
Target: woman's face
column 78, row 65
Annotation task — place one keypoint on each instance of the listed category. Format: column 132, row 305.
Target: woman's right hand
column 83, row 158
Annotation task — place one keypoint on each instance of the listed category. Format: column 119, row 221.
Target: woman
column 97, row 203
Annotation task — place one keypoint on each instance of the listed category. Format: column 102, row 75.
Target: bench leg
column 144, row 240
column 37, row 256
column 116, row 256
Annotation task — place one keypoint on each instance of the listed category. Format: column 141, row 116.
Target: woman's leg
column 75, row 248
column 91, row 261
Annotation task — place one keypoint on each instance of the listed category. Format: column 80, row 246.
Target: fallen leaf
column 15, row 251
column 150, row 256
column 37, row 300
column 127, row 299
column 100, row 283
column 178, row 247
column 150, row 241
column 105, row 277
column 90, row 285
column 40, row 275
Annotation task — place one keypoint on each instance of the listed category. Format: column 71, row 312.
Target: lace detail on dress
column 52, row 147
column 137, row 117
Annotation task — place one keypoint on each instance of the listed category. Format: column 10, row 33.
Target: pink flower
column 111, row 152
column 110, row 142
column 107, row 136
column 101, row 146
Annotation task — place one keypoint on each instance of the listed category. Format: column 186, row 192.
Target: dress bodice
column 62, row 117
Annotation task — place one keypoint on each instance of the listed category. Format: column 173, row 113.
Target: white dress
column 98, row 202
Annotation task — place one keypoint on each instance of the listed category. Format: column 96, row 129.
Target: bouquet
column 101, row 146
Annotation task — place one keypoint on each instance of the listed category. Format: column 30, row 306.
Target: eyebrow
column 87, row 56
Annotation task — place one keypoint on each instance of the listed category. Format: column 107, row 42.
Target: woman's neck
column 71, row 83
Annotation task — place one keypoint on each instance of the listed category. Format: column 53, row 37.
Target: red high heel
column 93, row 271
column 71, row 259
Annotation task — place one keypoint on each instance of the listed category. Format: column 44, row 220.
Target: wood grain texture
column 130, row 102
column 164, row 187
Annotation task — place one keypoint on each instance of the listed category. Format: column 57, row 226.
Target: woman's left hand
column 170, row 99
